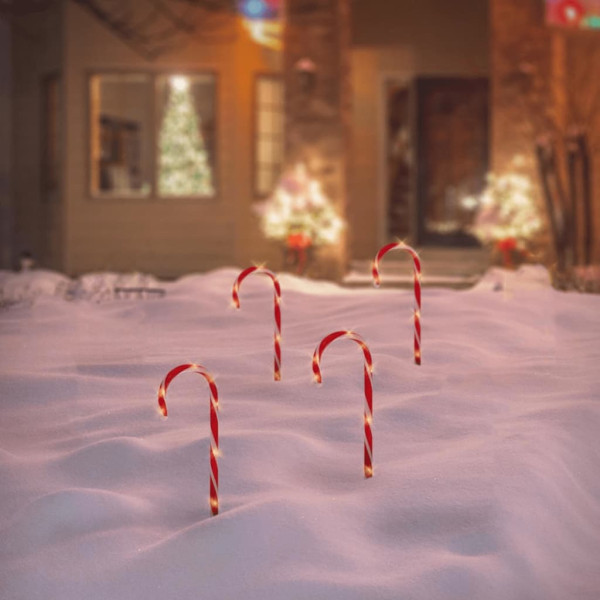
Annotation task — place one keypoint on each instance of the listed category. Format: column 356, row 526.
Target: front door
column 452, row 157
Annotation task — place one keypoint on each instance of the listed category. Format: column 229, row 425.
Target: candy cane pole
column 277, row 302
column 214, row 423
column 368, row 380
column 417, row 287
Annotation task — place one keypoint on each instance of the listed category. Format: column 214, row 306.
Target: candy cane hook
column 214, row 423
column 277, row 302
column 417, row 287
column 368, row 380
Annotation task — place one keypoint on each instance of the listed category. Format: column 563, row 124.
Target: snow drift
column 485, row 457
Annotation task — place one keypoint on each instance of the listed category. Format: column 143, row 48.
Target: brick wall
column 544, row 82
column 318, row 105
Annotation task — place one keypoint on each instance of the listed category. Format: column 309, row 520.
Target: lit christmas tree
column 184, row 166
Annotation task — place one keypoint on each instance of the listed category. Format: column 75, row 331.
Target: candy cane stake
column 368, row 380
column 277, row 302
column 417, row 287
column 214, row 423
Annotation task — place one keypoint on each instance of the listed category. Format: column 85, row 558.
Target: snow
column 486, row 457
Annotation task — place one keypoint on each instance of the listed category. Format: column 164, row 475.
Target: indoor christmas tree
column 184, row 166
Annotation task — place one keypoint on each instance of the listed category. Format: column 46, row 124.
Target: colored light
column 254, row 8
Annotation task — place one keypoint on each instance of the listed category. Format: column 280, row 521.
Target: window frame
column 154, row 131
column 278, row 77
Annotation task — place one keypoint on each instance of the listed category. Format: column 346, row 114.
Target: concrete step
column 456, row 268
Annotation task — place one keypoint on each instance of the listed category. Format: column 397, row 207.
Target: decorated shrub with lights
column 507, row 218
column 300, row 215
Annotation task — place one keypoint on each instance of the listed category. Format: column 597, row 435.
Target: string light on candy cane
column 277, row 308
column 214, row 422
column 417, row 287
column 368, row 381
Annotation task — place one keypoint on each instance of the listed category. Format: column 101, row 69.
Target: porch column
column 317, row 97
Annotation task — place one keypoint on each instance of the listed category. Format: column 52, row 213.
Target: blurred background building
column 147, row 134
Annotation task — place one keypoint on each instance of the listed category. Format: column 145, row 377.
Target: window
column 269, row 142
column 152, row 135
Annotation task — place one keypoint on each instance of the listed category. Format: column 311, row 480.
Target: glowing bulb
column 180, row 83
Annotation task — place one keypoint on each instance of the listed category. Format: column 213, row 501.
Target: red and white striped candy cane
column 417, row 287
column 214, row 423
column 368, row 381
column 277, row 302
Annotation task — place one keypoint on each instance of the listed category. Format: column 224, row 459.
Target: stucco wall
column 166, row 236
column 399, row 41
column 37, row 218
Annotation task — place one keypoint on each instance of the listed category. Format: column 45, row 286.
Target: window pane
column 268, row 153
column 186, row 136
column 121, row 124
column 265, row 120
column 265, row 179
column 264, row 152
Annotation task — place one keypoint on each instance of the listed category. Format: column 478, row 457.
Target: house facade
column 399, row 114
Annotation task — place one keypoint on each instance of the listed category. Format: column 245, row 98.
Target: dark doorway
column 398, row 149
column 452, row 157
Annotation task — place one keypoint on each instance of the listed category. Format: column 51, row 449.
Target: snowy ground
column 486, row 457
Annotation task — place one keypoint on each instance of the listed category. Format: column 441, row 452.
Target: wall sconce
column 306, row 71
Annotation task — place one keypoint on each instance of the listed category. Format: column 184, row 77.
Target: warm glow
column 180, row 83
column 507, row 209
column 184, row 165
column 299, row 207
column 266, row 33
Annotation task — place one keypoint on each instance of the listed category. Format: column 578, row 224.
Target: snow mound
column 526, row 277
column 28, row 286
column 485, row 457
